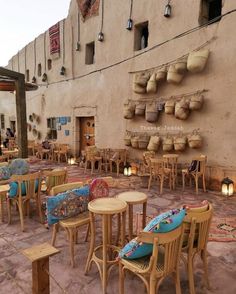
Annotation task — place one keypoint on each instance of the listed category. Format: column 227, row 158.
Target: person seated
column 46, row 144
column 9, row 135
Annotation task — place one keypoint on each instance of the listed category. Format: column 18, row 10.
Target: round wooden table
column 133, row 198
column 3, row 194
column 106, row 207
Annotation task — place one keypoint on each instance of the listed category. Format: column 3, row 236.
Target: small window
column 2, row 118
column 52, row 125
column 39, row 70
column 210, row 9
column 49, row 64
column 90, row 52
column 141, row 36
column 27, row 75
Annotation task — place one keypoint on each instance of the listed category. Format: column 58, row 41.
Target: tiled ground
column 15, row 269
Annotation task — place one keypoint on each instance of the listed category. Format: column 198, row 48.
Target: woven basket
column 140, row 108
column 127, row 139
column 170, row 107
column 139, row 89
column 173, row 76
column 167, row 144
column 151, row 113
column 181, row 65
column 182, row 109
column 143, row 141
column 195, row 140
column 134, row 142
column 180, row 143
column 152, row 84
column 161, row 74
column 154, row 143
column 129, row 110
column 197, row 60
column 141, row 79
column 196, row 102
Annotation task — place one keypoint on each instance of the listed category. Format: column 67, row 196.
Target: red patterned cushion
column 98, row 189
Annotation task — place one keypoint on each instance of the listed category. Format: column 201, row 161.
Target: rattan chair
column 117, row 157
column 164, row 261
column 92, row 156
column 32, row 184
column 197, row 226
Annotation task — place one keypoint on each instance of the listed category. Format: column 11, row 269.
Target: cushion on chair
column 19, row 166
column 5, row 173
column 196, row 208
column 162, row 223
column 14, row 189
column 67, row 204
column 98, row 189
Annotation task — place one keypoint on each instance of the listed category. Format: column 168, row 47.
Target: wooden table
column 133, row 198
column 10, row 153
column 106, row 207
column 3, row 194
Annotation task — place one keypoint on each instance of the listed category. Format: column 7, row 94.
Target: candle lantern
column 167, row 11
column 227, row 187
column 127, row 170
column 71, row 160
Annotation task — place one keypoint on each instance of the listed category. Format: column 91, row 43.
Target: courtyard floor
column 15, row 269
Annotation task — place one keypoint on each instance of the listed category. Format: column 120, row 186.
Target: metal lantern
column 129, row 24
column 101, row 37
column 71, row 160
column 227, row 187
column 33, row 79
column 167, row 12
column 45, row 77
column 63, row 71
column 127, row 170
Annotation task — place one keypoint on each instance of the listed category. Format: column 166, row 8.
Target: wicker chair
column 119, row 157
column 92, row 156
column 195, row 242
column 32, row 184
column 164, row 261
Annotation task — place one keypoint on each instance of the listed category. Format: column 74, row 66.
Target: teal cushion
column 14, row 189
column 162, row 223
column 19, row 166
column 67, row 204
column 5, row 173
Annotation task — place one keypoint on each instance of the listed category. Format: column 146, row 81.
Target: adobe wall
column 104, row 91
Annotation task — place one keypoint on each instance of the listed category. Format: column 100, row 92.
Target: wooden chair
column 118, row 157
column 31, row 146
column 197, row 226
column 62, row 152
column 12, row 144
column 42, row 152
column 171, row 162
column 197, row 173
column 54, row 178
column 163, row 262
column 32, row 184
column 145, row 165
column 159, row 172
column 92, row 156
column 105, row 154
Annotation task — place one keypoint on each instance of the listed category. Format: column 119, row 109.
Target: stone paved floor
column 15, row 269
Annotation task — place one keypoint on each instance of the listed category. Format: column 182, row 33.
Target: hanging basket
column 154, row 143
column 140, row 108
column 181, row 65
column 180, row 143
column 139, row 89
column 161, row 74
column 127, row 139
column 143, row 141
column 197, row 60
column 134, row 142
column 170, row 107
column 173, row 76
column 182, row 109
column 195, row 140
column 167, row 144
column 152, row 84
column 140, row 82
column 151, row 113
column 196, row 102
column 129, row 110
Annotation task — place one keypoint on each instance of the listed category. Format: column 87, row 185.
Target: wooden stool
column 133, row 198
column 106, row 207
column 39, row 256
column 3, row 194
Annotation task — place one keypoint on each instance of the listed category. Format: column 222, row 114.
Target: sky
column 21, row 21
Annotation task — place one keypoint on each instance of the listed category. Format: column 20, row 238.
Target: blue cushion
column 67, row 204
column 14, row 189
column 19, row 166
column 162, row 223
column 5, row 173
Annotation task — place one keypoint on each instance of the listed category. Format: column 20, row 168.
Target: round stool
column 3, row 194
column 106, row 207
column 133, row 198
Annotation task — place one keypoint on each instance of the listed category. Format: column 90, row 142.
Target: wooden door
column 87, row 127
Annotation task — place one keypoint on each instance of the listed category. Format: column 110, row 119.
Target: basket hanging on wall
column 161, row 74
column 154, row 143
column 173, row 76
column 196, row 102
column 197, row 60
column 167, row 143
column 143, row 141
column 134, row 142
column 152, row 84
column 180, row 143
column 181, row 65
column 140, row 82
column 170, row 106
column 140, row 108
column 151, row 114
column 182, row 109
column 127, row 139
column 195, row 140
column 129, row 110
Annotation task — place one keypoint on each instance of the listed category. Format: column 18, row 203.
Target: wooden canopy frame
column 19, row 79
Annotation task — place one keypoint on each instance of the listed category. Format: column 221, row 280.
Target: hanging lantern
column 45, row 77
column 227, row 187
column 63, row 71
column 167, row 11
column 134, row 169
column 33, row 79
column 127, row 170
column 129, row 24
column 101, row 37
